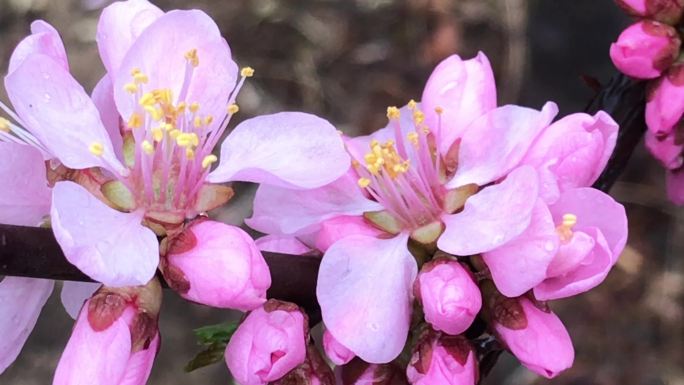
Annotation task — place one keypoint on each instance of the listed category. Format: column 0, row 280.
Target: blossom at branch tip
column 645, row 49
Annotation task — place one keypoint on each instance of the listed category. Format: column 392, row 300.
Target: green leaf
column 211, row 334
column 213, row 354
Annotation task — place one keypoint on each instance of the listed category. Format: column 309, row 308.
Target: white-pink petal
column 44, row 39
column 287, row 149
column 103, row 98
column 364, row 289
column 109, row 246
column 74, row 295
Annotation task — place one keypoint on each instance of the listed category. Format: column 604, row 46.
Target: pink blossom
column 358, row 372
column 217, row 265
column 536, row 337
column 645, row 49
column 338, row 353
column 665, row 11
column 449, row 295
column 115, row 338
column 151, row 126
column 665, row 102
column 440, row 359
column 269, row 343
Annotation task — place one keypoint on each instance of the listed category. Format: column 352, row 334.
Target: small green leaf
column 208, row 335
column 213, row 354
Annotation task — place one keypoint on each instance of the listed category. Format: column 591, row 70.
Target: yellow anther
column 565, row 229
column 233, row 109
column 439, row 110
column 96, row 148
column 197, row 122
column 163, row 96
column 247, row 72
column 181, row 107
column 156, row 113
column 140, row 78
column 209, row 160
column 190, row 153
column 168, row 127
column 158, row 134
column 412, row 137
column 187, row 139
column 194, row 107
column 4, row 125
column 147, row 99
column 418, row 117
column 208, row 120
column 569, row 220
column 194, row 139
column 135, row 71
column 135, row 121
column 131, row 88
column 364, row 182
column 393, row 112
column 412, row 104
column 192, row 58
column 147, row 147
column 174, row 133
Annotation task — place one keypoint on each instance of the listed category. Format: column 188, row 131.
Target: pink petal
column 483, row 159
column 95, row 357
column 334, row 229
column 59, row 113
column 103, row 98
column 140, row 364
column 119, row 26
column 21, row 300
column 521, row 264
column 288, row 149
column 675, row 187
column 493, row 216
column 594, row 208
column 109, row 246
column 585, row 275
column 44, row 39
column 74, row 294
column 464, row 89
column 159, row 52
column 575, row 149
column 368, row 314
column 25, row 198
column 284, row 211
column 666, row 149
column 285, row 244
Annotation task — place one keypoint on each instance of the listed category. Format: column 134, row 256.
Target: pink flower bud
column 217, row 265
column 665, row 11
column 665, row 149
column 359, row 372
column 440, row 359
column 338, row 353
column 665, row 101
column 269, row 343
column 450, row 297
column 115, row 338
column 535, row 336
column 645, row 49
column 314, row 371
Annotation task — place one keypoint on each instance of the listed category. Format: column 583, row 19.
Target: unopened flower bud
column 359, row 372
column 314, row 371
column 535, row 336
column 449, row 295
column 338, row 353
column 217, row 265
column 645, row 49
column 440, row 359
column 665, row 11
column 115, row 338
column 665, row 101
column 268, row 344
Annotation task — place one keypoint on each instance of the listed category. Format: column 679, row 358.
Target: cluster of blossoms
column 458, row 212
column 124, row 178
column 650, row 50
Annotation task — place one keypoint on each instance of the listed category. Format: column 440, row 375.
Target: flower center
column 405, row 175
column 564, row 230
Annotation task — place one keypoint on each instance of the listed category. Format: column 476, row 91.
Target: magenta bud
column 665, row 11
column 665, row 149
column 216, row 264
column 536, row 337
column 665, row 101
column 449, row 295
column 645, row 49
column 338, row 353
column 115, row 339
column 441, row 359
column 313, row 371
column 359, row 372
column 268, row 344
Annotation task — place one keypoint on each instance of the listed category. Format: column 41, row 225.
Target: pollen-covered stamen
column 564, row 230
column 401, row 175
column 11, row 132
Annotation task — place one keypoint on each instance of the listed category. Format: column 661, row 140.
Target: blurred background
column 347, row 60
